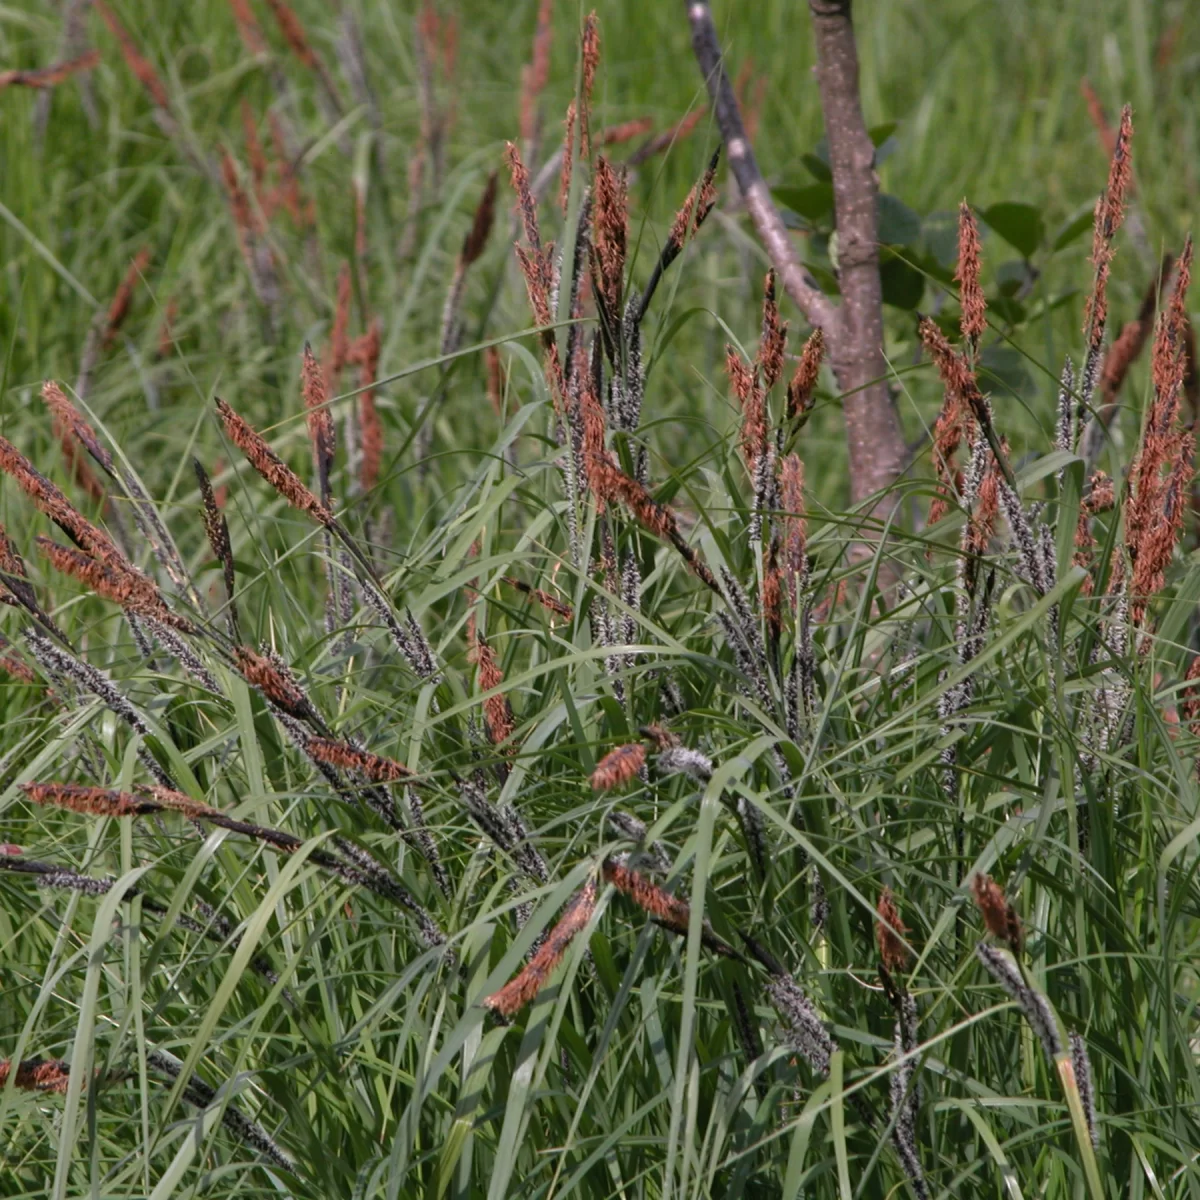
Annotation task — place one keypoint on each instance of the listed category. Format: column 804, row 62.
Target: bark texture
column 853, row 328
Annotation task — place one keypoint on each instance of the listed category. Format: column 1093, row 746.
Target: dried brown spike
column 668, row 137
column 216, row 530
column 591, row 60
column 668, row 909
column 611, row 208
column 889, row 931
column 69, row 418
column 481, row 225
column 1110, row 212
column 616, row 135
column 269, row 465
column 51, row 76
column 523, row 987
column 999, row 916
column 618, row 767
column 318, row 417
column 1101, row 494
column 146, row 75
column 535, row 76
column 748, row 392
column 166, row 331
column 92, row 801
column 260, row 672
column 497, row 711
column 374, row 767
column 16, row 669
column 774, row 336
column 246, row 219
column 55, row 505
column 547, row 601
column 120, row 583
column 967, row 274
column 370, row 428
column 662, row 737
column 254, row 153
column 1108, row 135
column 611, row 484
column 568, row 158
column 791, row 498
column 495, row 379
column 301, row 210
column 37, row 1074
column 248, row 27
column 118, row 309
column 804, row 380
column 1190, row 705
column 293, row 33
column 339, row 341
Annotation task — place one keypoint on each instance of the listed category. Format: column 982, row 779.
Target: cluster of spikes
column 611, row 514
column 1126, row 575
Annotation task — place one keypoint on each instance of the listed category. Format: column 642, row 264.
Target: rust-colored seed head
column 888, row 933
column 967, row 273
column 611, row 222
column 1108, row 135
column 370, row 428
column 522, row 988
column 92, row 801
column 55, row 505
column 146, row 75
column 590, row 53
column 122, row 299
column 1190, row 705
column 339, row 341
column 616, row 135
column 114, row 580
column 51, row 76
column 69, row 418
column 668, row 909
column 260, row 672
column 495, row 379
column 14, row 668
column 748, row 392
column 544, row 598
column 374, row 767
column 254, row 152
column 774, row 336
column 497, row 711
column 293, row 33
column 804, row 381
column 1101, row 494
column 618, row 767
column 481, row 225
column 248, row 27
column 662, row 737
column 536, row 74
column 999, row 916
column 317, row 415
column 270, row 466
column 1110, row 213
column 37, row 1075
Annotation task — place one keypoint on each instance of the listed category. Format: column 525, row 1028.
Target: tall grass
column 563, row 794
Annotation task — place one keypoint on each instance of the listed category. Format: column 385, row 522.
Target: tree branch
column 799, row 284
column 854, row 328
column 872, row 427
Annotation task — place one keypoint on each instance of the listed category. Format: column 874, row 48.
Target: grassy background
column 627, row 1079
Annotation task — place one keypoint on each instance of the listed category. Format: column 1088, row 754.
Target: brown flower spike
column 618, row 767
column 522, row 988
column 999, row 916
column 893, row 953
